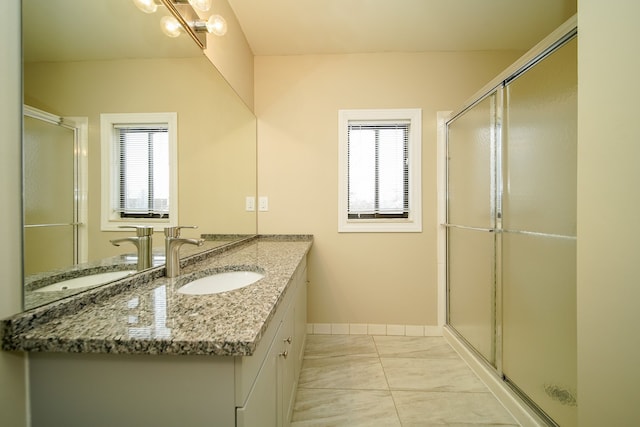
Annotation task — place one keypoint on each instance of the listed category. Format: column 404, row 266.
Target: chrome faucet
column 172, row 243
column 142, row 242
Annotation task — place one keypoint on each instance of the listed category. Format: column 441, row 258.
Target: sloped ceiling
column 295, row 27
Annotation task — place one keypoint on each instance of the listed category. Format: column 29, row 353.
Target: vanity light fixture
column 216, row 24
column 170, row 26
column 185, row 19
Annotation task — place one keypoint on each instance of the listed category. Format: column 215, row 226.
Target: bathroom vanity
column 143, row 354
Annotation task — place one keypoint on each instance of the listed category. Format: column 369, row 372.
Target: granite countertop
column 146, row 315
column 33, row 298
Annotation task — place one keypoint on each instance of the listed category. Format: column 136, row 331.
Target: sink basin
column 220, row 282
column 85, row 281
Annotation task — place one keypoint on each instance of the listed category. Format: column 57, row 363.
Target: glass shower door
column 49, row 196
column 471, row 220
column 539, row 235
column 511, row 230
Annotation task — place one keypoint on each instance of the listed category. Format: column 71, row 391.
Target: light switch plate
column 250, row 204
column 263, row 203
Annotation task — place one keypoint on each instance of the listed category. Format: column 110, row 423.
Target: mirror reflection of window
column 143, row 181
column 139, row 169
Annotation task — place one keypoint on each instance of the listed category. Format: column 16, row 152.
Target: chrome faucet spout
column 143, row 244
column 116, row 242
column 172, row 244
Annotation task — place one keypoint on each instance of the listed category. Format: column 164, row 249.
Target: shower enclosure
column 511, row 229
column 52, row 196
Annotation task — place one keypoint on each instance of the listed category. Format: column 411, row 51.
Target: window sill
column 380, row 226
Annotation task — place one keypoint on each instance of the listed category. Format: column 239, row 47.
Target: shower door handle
column 52, row 225
column 465, row 227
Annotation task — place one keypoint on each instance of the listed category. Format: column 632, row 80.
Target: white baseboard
column 373, row 329
column 511, row 401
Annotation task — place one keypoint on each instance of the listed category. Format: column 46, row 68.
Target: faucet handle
column 175, row 231
column 141, row 230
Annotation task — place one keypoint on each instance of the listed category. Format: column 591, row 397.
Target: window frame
column 110, row 181
column 413, row 223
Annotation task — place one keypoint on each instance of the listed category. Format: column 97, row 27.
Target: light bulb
column 203, row 5
column 147, row 6
column 170, row 26
column 217, row 25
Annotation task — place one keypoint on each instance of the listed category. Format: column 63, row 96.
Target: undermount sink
column 220, row 282
column 85, row 281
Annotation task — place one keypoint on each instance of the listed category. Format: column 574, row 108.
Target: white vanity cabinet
column 88, row 389
column 272, row 396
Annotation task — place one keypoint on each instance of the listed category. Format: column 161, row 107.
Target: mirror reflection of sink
column 220, row 282
column 86, row 281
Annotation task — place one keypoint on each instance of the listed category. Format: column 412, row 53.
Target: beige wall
column 13, row 408
column 378, row 278
column 298, row 172
column 214, row 125
column 231, row 54
column 608, row 213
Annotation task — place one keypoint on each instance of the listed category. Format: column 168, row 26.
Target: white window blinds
column 143, row 179
column 378, row 170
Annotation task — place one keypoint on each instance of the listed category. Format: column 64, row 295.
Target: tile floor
column 360, row 380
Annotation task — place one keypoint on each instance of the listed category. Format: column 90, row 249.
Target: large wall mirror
column 87, row 58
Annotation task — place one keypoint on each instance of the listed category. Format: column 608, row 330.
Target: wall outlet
column 250, row 203
column 263, row 203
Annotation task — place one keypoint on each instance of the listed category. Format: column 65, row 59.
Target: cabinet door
column 300, row 323
column 262, row 403
column 286, row 368
column 271, row 400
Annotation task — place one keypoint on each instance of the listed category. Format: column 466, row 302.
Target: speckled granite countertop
column 146, row 315
column 33, row 298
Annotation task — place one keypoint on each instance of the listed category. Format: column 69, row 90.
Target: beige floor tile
column 348, row 408
column 361, row 381
column 458, row 409
column 417, row 347
column 343, row 372
column 430, row 375
column 340, row 345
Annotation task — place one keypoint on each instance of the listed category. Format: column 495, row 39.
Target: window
column 139, row 179
column 143, row 162
column 378, row 170
column 380, row 154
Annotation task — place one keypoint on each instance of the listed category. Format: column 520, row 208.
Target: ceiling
column 68, row 30
column 296, row 27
